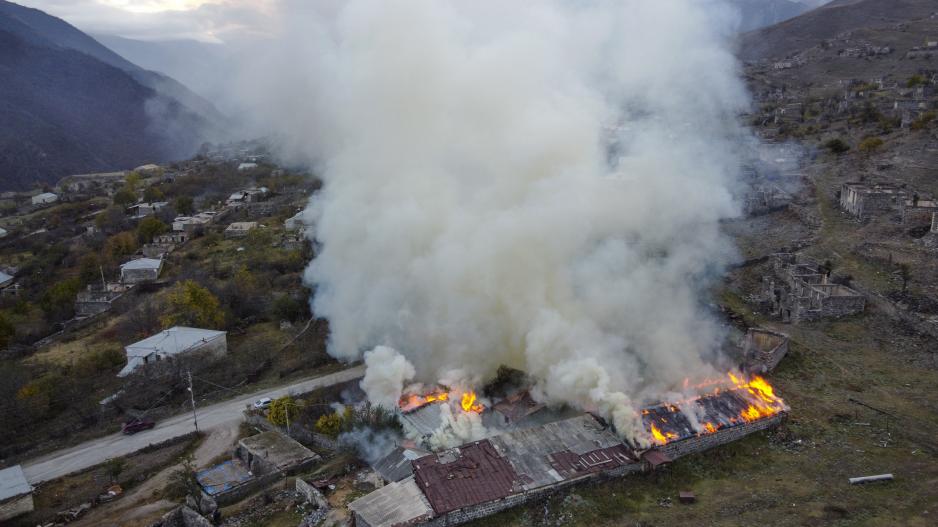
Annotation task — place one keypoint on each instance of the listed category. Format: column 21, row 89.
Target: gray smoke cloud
column 530, row 184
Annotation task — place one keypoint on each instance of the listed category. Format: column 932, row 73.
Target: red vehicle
column 137, row 425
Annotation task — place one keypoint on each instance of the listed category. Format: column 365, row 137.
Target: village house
column 16, row 494
column 240, row 229
column 246, row 166
column 917, row 211
column 799, row 291
column 142, row 210
column 141, row 270
column 295, row 222
column 3, row 232
column 251, row 195
column 172, row 238
column 46, row 198
column 865, row 201
column 172, row 343
column 157, row 251
column 194, row 224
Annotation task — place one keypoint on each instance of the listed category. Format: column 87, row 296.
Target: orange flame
column 414, row 401
column 468, row 403
column 758, row 393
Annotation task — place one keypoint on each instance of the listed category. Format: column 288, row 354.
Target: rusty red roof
column 571, row 465
column 467, row 475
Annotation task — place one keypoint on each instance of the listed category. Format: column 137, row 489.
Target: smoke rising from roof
column 531, row 184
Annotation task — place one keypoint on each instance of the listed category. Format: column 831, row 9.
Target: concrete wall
column 137, row 276
column 917, row 215
column 13, row 507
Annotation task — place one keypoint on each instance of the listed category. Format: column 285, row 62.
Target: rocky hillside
column 70, row 105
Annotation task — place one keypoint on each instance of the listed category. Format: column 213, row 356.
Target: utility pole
column 103, row 282
column 192, row 398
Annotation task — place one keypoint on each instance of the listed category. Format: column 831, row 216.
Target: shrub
column 870, row 145
column 836, row 146
column 282, row 411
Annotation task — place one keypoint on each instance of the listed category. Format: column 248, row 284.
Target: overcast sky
column 208, row 20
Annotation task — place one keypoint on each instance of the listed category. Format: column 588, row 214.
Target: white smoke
column 530, row 184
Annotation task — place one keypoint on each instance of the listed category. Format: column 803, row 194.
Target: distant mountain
column 203, row 67
column 68, row 105
column 828, row 21
column 756, row 14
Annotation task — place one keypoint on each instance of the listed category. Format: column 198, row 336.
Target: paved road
column 99, row 450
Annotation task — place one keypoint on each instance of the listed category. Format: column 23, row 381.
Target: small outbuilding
column 5, row 279
column 16, row 494
column 171, row 343
column 46, row 198
column 141, row 270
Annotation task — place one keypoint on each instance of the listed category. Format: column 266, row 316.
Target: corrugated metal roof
column 467, row 475
column 142, row 263
column 223, row 477
column 13, row 483
column 397, row 465
column 423, row 421
column 392, row 505
column 174, row 340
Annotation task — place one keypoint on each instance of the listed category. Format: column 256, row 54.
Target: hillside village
column 139, row 306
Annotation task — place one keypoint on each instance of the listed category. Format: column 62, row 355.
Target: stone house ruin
column 916, row 211
column 273, row 452
column 865, row 201
column 171, row 343
column 800, row 292
column 257, row 462
column 240, row 229
column 94, row 300
column 16, row 494
column 763, row 349
column 763, row 200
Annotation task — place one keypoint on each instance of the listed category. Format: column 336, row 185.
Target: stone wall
column 694, row 445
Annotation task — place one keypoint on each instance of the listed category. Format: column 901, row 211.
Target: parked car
column 263, row 403
column 137, row 425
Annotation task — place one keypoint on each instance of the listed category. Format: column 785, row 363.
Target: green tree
column 288, row 308
column 150, row 227
column 182, row 481
column 184, row 205
column 916, row 80
column 870, row 145
column 837, row 146
column 193, row 305
column 7, row 331
column 89, row 269
column 114, row 467
column 152, row 193
column 58, row 300
column 120, row 245
column 283, row 410
column 132, row 181
column 125, row 197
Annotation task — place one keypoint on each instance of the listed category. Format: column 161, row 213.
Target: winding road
column 96, row 451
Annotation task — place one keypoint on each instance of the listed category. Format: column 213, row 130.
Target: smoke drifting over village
column 536, row 185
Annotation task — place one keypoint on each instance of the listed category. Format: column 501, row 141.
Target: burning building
column 517, row 466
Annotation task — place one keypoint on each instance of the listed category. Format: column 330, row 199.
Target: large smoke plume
column 530, row 184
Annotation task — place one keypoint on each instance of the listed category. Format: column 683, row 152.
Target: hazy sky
column 209, row 20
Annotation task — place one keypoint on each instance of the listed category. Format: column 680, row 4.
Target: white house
column 247, row 166
column 141, row 270
column 45, row 198
column 16, row 494
column 295, row 223
column 141, row 210
column 173, row 342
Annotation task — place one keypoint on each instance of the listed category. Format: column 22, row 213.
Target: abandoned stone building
column 763, row 349
column 799, row 291
column 917, row 211
column 257, row 462
column 762, row 200
column 865, row 201
column 141, row 270
column 93, row 300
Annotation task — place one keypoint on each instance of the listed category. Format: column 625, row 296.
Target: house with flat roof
column 171, row 343
column 270, row 452
column 141, row 270
column 240, row 229
column 16, row 494
column 46, row 198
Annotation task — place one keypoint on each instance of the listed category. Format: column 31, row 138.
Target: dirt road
column 222, row 414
